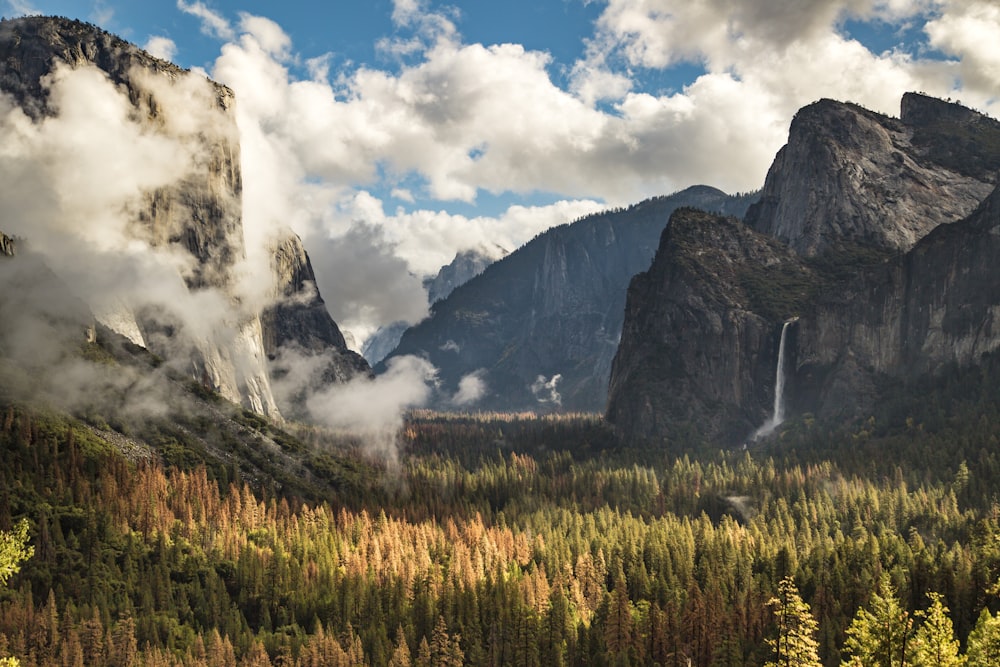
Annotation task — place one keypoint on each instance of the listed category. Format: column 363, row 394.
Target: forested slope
column 503, row 539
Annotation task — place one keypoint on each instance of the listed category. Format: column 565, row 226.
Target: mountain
column 539, row 328
column 848, row 175
column 867, row 309
column 466, row 265
column 203, row 324
column 697, row 346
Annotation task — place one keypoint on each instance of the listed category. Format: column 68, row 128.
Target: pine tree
column 795, row 645
column 935, row 643
column 984, row 641
column 881, row 637
column 401, row 653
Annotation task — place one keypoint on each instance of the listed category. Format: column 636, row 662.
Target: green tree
column 984, row 641
column 935, row 643
column 795, row 645
column 881, row 637
column 14, row 550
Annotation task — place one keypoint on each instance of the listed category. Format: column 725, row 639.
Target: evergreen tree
column 795, row 645
column 881, row 637
column 14, row 550
column 935, row 643
column 983, row 649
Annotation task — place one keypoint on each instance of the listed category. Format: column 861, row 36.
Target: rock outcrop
column 699, row 346
column 879, row 292
column 8, row 247
column 848, row 175
column 197, row 217
column 540, row 327
column 467, row 265
column 299, row 317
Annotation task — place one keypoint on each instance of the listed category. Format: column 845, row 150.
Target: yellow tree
column 14, row 550
column 795, row 645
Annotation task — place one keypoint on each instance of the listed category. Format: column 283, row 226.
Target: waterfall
column 778, row 414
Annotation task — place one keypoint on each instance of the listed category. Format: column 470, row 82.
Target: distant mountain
column 538, row 329
column 466, row 265
column 878, row 291
column 197, row 219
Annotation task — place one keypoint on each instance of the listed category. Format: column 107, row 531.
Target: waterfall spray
column 778, row 414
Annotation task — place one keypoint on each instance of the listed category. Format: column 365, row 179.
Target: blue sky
column 398, row 132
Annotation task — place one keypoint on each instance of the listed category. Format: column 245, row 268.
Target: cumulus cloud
column 213, row 24
column 444, row 120
column 161, row 47
column 970, row 31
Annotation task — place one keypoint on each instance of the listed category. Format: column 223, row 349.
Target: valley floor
column 501, row 540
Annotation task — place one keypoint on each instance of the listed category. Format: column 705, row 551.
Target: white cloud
column 161, row 47
column 450, row 120
column 546, row 390
column 970, row 31
column 374, row 408
column 471, row 388
column 212, row 23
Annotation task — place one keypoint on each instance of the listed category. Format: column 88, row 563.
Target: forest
column 509, row 539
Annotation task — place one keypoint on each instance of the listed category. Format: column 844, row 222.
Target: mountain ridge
column 539, row 327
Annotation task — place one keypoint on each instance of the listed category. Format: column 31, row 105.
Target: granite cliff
column 848, row 175
column 539, row 327
column 879, row 291
column 197, row 218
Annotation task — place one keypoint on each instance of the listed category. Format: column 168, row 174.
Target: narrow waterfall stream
column 778, row 414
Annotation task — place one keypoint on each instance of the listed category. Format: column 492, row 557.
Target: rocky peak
column 919, row 110
column 8, row 247
column 32, row 46
column 299, row 317
column 852, row 176
column 466, row 265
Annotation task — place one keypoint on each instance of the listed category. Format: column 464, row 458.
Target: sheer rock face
column 300, row 319
column 695, row 350
column 935, row 307
column 199, row 215
column 549, row 315
column 885, row 294
column 702, row 326
column 855, row 176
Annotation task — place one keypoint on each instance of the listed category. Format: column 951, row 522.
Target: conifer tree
column 935, row 643
column 984, row 641
column 795, row 645
column 881, row 637
column 13, row 550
